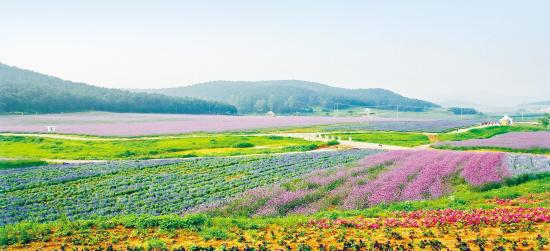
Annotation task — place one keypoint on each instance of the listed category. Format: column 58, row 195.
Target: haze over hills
column 292, row 96
column 539, row 106
column 546, row 102
column 30, row 92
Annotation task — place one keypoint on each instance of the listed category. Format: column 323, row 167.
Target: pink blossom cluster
column 360, row 223
column 481, row 168
column 432, row 218
column 491, row 217
column 516, row 140
column 424, row 174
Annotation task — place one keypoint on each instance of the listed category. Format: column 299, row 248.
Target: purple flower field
column 516, row 140
column 130, row 124
column 406, row 126
column 425, row 174
column 402, row 175
column 154, row 187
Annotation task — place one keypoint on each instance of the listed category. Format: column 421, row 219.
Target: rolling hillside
column 546, row 102
column 30, row 92
column 291, row 96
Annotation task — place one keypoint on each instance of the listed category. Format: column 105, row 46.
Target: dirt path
column 468, row 129
column 347, row 143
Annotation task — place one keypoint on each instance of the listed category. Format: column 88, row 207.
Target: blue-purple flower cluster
column 147, row 187
column 405, row 126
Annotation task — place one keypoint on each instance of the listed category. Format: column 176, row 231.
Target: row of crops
column 155, row 187
column 393, row 176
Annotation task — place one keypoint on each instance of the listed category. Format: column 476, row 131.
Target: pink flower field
column 425, row 174
column 128, row 124
column 403, row 175
column 516, row 140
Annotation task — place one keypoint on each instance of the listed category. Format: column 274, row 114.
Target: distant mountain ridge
column 31, row 92
column 291, row 96
column 545, row 102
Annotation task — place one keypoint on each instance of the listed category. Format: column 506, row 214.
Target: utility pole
column 522, row 115
column 397, row 112
column 461, row 112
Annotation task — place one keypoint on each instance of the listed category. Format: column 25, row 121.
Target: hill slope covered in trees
column 30, row 92
column 290, row 96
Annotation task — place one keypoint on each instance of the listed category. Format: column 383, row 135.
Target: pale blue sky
column 479, row 51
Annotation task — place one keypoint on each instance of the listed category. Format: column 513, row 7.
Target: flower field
column 393, row 176
column 127, row 124
column 434, row 126
column 183, row 146
column 147, row 187
column 513, row 140
column 327, row 200
column 407, row 139
column 526, row 164
column 501, row 228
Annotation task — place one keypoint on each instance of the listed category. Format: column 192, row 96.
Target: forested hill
column 290, row 96
column 30, row 92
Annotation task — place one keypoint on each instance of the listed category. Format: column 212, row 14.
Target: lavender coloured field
column 126, row 124
column 147, row 187
column 515, row 140
column 526, row 163
column 406, row 126
column 402, row 175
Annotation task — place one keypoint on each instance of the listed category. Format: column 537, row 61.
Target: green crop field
column 148, row 148
column 408, row 139
column 487, row 132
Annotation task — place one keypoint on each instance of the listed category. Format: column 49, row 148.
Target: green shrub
column 156, row 245
column 189, row 155
column 301, row 148
column 304, row 247
column 214, row 233
column 167, row 222
column 243, row 145
column 8, row 164
column 333, row 142
column 126, row 154
column 24, row 232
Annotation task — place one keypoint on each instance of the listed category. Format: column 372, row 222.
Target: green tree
column 545, row 121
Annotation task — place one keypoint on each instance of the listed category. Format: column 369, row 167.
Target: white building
column 506, row 121
column 270, row 113
column 51, row 129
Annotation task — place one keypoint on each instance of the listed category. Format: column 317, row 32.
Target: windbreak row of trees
column 29, row 92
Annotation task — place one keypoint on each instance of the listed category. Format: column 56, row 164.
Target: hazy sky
column 481, row 51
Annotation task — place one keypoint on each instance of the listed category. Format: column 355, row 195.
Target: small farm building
column 51, row 129
column 506, row 121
